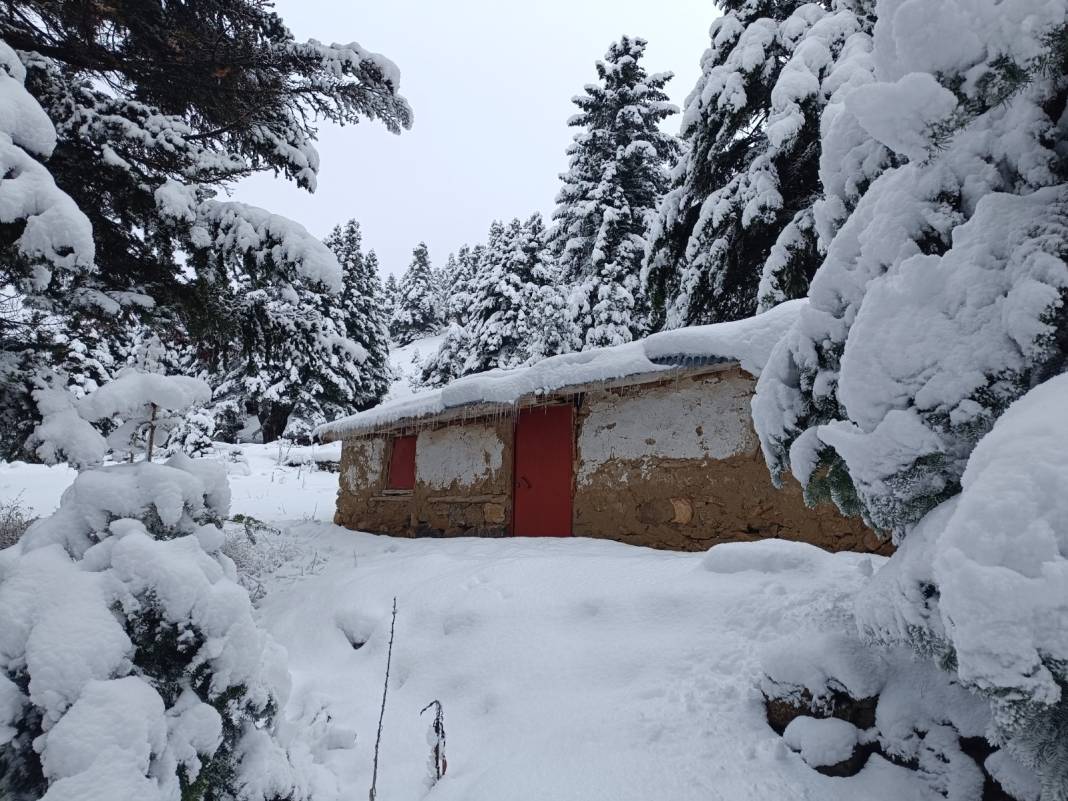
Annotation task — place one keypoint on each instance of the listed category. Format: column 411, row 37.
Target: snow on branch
column 56, row 234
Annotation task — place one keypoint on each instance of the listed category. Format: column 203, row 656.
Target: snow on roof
column 747, row 342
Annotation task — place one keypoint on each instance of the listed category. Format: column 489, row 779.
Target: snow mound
column 983, row 574
column 765, row 556
column 1002, row 563
column 822, row 741
column 748, row 342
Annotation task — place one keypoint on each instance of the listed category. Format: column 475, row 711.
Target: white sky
column 490, row 83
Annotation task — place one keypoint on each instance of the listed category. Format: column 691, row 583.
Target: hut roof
column 745, row 342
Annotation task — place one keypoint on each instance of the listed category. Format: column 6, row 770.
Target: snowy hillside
column 406, row 361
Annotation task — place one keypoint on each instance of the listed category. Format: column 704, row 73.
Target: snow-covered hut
column 649, row 443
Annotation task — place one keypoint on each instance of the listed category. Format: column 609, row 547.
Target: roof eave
column 482, row 410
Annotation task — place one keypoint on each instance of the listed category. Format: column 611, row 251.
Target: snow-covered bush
column 131, row 667
column 980, row 584
column 844, row 699
column 14, row 520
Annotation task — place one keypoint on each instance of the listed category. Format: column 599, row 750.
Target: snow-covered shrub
column 980, row 583
column 257, row 551
column 131, row 667
column 193, row 434
column 14, row 520
column 967, row 620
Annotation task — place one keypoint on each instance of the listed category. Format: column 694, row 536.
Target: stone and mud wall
column 673, row 465
column 463, row 481
column 678, row 466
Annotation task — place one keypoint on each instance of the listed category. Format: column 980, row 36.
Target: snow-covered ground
column 567, row 669
column 262, row 484
column 405, row 362
column 573, row 669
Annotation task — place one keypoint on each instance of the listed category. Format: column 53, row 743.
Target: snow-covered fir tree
column 458, row 302
column 416, row 312
column 736, row 232
column 363, row 303
column 617, row 174
column 389, row 289
column 135, row 156
column 550, row 326
column 449, row 361
column 943, row 298
column 500, row 325
column 277, row 332
column 443, row 279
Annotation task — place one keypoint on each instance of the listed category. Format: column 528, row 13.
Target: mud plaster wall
column 463, row 483
column 679, row 466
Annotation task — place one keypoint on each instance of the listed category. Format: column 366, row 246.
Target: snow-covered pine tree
column 450, row 360
column 617, row 174
column 468, row 263
column 273, row 320
column 362, row 300
column 416, row 313
column 551, row 329
column 943, row 298
column 443, row 279
column 499, row 326
column 238, row 95
column 736, row 232
column 453, row 285
column 45, row 240
column 390, row 289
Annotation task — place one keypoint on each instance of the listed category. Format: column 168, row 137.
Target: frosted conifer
column 617, row 174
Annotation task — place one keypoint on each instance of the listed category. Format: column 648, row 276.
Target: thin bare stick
column 373, row 794
column 151, row 434
column 437, row 755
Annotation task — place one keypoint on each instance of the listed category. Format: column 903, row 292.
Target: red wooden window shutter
column 402, row 464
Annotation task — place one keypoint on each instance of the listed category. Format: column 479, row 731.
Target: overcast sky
column 490, row 83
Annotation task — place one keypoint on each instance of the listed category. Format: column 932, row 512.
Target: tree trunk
column 151, row 434
column 273, row 418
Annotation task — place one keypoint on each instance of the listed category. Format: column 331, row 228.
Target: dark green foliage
column 736, row 190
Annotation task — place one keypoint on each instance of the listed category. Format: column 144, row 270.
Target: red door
column 543, row 455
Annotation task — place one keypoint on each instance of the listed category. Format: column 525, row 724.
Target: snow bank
column 983, row 575
column 748, row 342
column 765, row 556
